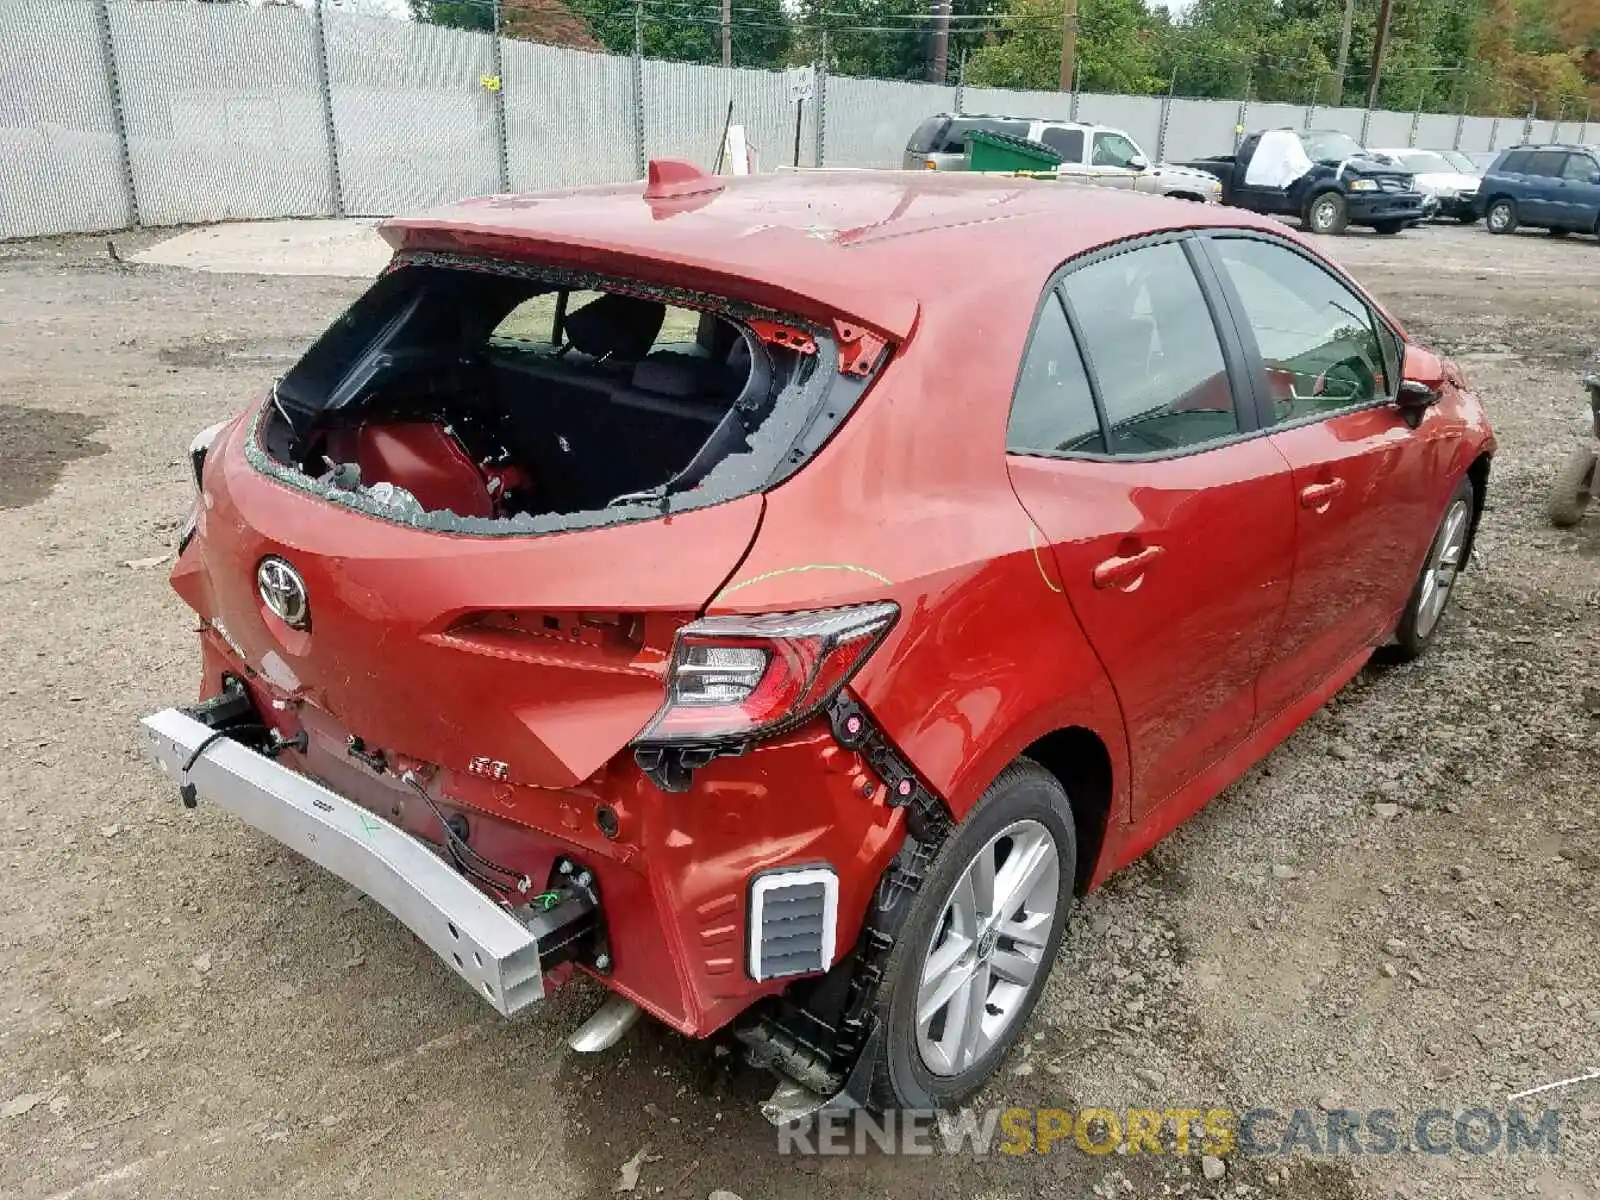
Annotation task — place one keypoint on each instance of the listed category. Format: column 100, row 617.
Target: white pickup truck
column 1091, row 153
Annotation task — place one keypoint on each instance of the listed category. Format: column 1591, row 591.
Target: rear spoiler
column 822, row 297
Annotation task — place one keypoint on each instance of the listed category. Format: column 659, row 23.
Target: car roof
column 871, row 245
column 1003, row 117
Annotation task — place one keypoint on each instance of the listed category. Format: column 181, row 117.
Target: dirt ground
column 1399, row 909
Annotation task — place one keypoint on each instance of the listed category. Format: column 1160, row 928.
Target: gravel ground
column 1398, row 909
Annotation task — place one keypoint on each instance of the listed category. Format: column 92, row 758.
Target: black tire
column 1326, row 213
column 899, row 1077
column 1411, row 639
column 1468, row 218
column 1389, row 227
column 1501, row 216
column 1574, row 487
column 1558, row 233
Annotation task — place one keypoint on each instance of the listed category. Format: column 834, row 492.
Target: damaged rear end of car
column 450, row 574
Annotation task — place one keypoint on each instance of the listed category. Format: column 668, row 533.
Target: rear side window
column 1318, row 340
column 1066, row 142
column 1154, row 350
column 1053, row 411
column 1515, row 162
column 955, row 138
column 1544, row 162
column 927, row 135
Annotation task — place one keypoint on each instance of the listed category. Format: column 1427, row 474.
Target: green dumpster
column 1001, row 152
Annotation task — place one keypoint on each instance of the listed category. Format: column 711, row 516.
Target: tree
column 1117, row 43
column 889, row 39
column 691, row 30
column 458, row 14
column 548, row 21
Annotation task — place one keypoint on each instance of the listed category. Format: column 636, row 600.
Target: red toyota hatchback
column 775, row 598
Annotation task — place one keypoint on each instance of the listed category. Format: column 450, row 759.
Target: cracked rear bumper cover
column 483, row 942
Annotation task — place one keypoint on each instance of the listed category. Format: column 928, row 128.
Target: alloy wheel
column 988, row 947
column 1499, row 217
column 1440, row 574
column 1323, row 214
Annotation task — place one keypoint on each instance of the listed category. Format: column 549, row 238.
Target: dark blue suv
column 1550, row 187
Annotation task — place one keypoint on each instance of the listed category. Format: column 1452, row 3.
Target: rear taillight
column 199, row 448
column 736, row 678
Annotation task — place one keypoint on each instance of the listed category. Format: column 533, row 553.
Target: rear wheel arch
column 1081, row 763
column 1478, row 472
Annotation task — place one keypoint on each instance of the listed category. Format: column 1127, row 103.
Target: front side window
column 1053, row 410
column 1113, row 150
column 1580, row 168
column 1154, row 350
column 1318, row 340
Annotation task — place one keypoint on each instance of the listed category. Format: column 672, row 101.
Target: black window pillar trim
column 1246, row 379
column 1058, row 291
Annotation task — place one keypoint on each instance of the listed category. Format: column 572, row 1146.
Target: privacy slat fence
column 123, row 112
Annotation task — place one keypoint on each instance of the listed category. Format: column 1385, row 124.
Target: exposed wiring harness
column 467, row 860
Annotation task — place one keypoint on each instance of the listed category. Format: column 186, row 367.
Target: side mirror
column 1139, row 163
column 1421, row 380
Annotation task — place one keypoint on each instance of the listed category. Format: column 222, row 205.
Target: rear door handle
column 1320, row 495
column 1124, row 571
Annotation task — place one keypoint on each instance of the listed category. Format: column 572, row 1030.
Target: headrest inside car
column 676, row 375
column 621, row 327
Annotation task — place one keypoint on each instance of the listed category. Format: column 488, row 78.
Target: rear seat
column 591, row 436
column 608, row 416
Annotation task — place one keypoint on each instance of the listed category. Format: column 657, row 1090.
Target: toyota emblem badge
column 284, row 592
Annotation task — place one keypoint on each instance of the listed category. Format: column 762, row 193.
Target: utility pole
column 727, row 33
column 1069, row 43
column 1377, row 52
column 941, row 40
column 1344, row 49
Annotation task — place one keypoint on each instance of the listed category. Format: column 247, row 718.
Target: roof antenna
column 676, row 178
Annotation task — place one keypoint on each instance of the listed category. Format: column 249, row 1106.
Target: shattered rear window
column 476, row 396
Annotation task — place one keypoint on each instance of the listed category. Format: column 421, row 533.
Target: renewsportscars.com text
column 1258, row 1132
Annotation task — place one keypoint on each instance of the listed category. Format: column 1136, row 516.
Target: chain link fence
column 126, row 112
column 61, row 156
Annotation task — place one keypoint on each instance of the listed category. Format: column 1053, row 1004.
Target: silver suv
column 1091, row 153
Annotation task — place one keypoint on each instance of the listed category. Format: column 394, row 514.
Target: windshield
column 1459, row 161
column 1327, row 145
column 1425, row 162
